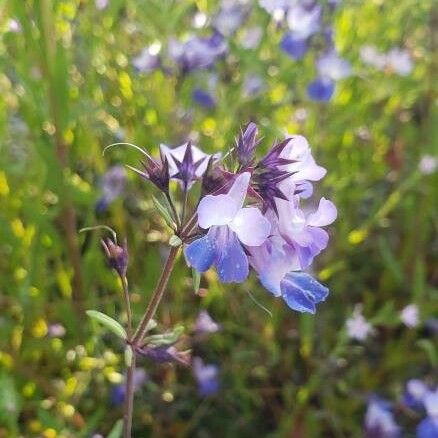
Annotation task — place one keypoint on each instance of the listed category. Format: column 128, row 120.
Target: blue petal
column 321, row 90
column 203, row 98
column 294, row 46
column 306, row 282
column 296, row 298
column 428, row 428
column 201, row 253
column 232, row 262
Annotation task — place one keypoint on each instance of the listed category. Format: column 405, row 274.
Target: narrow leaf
column 116, row 431
column 196, row 277
column 108, row 322
column 164, row 212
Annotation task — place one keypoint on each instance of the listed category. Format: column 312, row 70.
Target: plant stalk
column 129, row 399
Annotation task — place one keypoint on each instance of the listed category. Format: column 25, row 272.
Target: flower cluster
column 306, row 21
column 251, row 213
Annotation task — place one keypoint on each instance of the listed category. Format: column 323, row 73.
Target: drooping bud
column 117, row 255
column 156, row 171
column 165, row 353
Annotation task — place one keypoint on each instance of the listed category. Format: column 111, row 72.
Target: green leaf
column 175, row 241
column 430, row 350
column 116, row 431
column 196, row 277
column 164, row 212
column 108, row 322
column 165, row 338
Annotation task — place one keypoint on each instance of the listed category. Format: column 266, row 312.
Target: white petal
column 251, row 227
column 239, row 188
column 325, row 215
column 216, row 210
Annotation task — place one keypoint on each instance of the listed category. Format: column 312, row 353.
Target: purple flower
column 414, row 394
column 203, row 98
column 410, row 316
column 176, row 155
column 358, row 327
column 117, row 255
column 379, row 420
column 428, row 164
column 205, row 323
column 101, row 4
column 304, row 20
column 371, row 56
column 113, row 184
column 246, row 144
column 56, row 330
column 321, row 89
column 118, row 392
column 428, row 428
column 399, row 61
column 229, row 226
column 229, row 17
column 295, row 46
column 253, row 85
column 148, row 60
column 197, row 53
column 207, row 376
column 251, row 37
column 332, row 66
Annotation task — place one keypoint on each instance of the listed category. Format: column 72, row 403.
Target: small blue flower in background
column 379, row 420
column 112, row 184
column 414, row 394
column 205, row 323
column 229, row 17
column 428, row 428
column 118, row 392
column 207, row 377
column 396, row 60
column 294, row 46
column 148, row 59
column 203, row 98
column 321, row 90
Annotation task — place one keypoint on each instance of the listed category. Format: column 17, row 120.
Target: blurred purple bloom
column 399, row 61
column 118, row 392
column 230, row 225
column 253, row 85
column 14, row 25
column 148, row 60
column 56, row 330
column 113, row 184
column 379, row 420
column 101, row 4
column 414, row 394
column 203, row 98
column 428, row 428
column 197, row 53
column 331, row 66
column 230, row 17
column 205, row 323
column 304, row 20
column 207, row 377
column 321, row 89
column 295, row 46
column 410, row 316
column 428, row 164
column 358, row 327
column 371, row 56
column 251, row 37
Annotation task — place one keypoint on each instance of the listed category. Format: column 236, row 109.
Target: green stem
column 129, row 400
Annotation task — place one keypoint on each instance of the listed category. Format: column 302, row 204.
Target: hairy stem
column 156, row 297
column 129, row 400
column 127, row 304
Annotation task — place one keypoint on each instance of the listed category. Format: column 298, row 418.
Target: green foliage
column 68, row 89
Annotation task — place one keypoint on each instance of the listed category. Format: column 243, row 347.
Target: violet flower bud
column 117, row 255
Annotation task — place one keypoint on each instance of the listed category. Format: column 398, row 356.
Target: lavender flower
column 395, row 60
column 253, row 85
column 113, row 184
column 118, row 392
column 205, row 323
column 410, row 316
column 379, row 420
column 229, row 17
column 203, row 98
column 357, row 326
column 197, row 53
column 229, row 226
column 148, row 60
column 428, row 164
column 414, row 394
column 207, row 376
column 428, row 428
